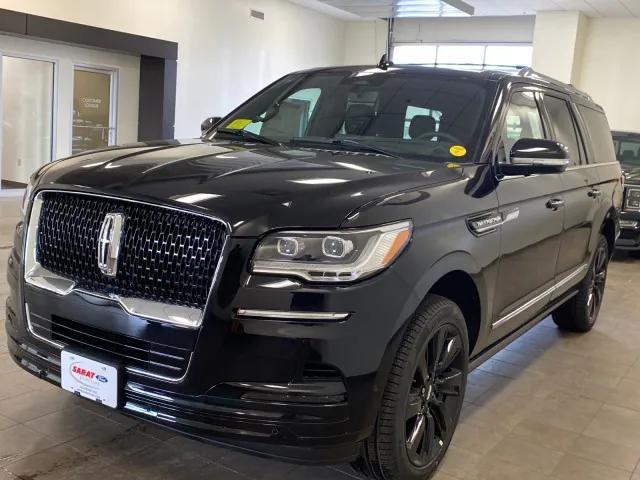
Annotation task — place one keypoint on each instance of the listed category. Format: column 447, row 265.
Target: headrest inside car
column 421, row 124
column 358, row 119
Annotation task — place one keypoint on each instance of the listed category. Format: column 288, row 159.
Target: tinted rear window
column 628, row 150
column 600, row 135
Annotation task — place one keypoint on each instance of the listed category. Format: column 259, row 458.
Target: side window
column 563, row 125
column 599, row 135
column 293, row 116
column 523, row 120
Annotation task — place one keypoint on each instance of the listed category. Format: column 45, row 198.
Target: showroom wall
column 225, row 55
column 595, row 55
column 609, row 69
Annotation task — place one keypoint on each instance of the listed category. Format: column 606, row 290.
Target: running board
column 491, row 350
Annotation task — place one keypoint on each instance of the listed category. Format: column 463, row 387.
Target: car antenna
column 384, row 64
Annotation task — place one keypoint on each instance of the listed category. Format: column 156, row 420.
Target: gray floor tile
column 550, row 406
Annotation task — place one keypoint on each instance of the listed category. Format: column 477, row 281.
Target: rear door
column 581, row 193
column 532, row 229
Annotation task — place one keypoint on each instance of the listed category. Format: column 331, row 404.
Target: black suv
column 627, row 146
column 314, row 278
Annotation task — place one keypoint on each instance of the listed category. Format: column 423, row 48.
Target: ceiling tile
column 633, row 6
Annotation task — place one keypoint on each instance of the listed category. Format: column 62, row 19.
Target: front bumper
column 303, row 391
column 629, row 231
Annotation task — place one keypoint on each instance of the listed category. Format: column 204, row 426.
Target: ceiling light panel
column 403, row 8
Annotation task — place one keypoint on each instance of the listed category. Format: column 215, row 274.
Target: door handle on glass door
column 555, row 203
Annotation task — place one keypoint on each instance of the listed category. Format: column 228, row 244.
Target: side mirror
column 531, row 156
column 209, row 123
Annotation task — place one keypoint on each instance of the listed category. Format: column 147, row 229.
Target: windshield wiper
column 344, row 142
column 245, row 135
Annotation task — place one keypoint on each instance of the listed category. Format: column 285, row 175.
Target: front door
column 530, row 236
column 93, row 109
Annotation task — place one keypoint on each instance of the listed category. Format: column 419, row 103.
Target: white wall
column 224, row 54
column 465, row 30
column 609, row 69
column 598, row 55
column 365, row 42
column 557, row 43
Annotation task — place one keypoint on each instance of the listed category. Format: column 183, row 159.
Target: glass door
column 93, row 109
column 27, row 92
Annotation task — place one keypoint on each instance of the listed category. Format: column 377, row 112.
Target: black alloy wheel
column 435, row 396
column 598, row 281
column 580, row 312
column 423, row 397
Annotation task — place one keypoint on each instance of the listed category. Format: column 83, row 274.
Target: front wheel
column 423, row 396
column 580, row 313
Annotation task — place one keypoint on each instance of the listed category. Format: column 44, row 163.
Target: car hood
column 631, row 174
column 254, row 188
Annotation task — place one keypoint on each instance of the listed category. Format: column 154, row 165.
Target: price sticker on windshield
column 238, row 124
column 458, row 151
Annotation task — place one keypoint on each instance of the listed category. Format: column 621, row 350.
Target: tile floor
column 550, row 406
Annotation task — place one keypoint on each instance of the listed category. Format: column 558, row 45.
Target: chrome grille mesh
column 166, row 256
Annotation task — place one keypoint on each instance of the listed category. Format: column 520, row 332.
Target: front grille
column 626, row 234
column 165, row 256
column 155, row 358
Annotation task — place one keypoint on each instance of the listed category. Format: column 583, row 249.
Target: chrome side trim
column 591, row 165
column 286, row 315
column 38, row 276
column 536, row 299
column 136, row 371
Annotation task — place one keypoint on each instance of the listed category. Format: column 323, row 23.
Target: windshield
column 393, row 112
column 628, row 150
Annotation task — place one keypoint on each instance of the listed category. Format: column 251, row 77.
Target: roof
column 495, row 73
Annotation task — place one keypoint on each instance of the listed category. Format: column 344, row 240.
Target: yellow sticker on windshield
column 238, row 123
column 453, row 165
column 458, row 151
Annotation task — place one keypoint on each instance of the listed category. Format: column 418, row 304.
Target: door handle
column 594, row 192
column 555, row 203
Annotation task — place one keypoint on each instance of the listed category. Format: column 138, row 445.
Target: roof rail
column 531, row 73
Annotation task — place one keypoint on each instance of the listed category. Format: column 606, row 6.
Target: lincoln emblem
column 109, row 243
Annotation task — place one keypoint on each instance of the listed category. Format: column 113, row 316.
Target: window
column 397, row 113
column 299, row 107
column 27, row 87
column 460, row 54
column 563, row 125
column 413, row 112
column 509, row 55
column 479, row 55
column 523, row 120
column 415, row 54
column 628, row 151
column 600, row 134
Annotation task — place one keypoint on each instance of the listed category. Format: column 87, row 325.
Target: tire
column 416, row 404
column 580, row 313
column 634, row 254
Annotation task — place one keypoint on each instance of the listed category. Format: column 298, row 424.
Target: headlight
column 27, row 196
column 632, row 200
column 338, row 256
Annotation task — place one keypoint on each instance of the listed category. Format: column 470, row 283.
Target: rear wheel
column 581, row 312
column 634, row 253
column 423, row 396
